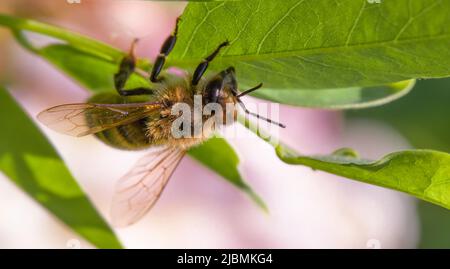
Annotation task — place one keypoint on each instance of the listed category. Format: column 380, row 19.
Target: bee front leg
column 201, row 68
column 126, row 68
column 163, row 53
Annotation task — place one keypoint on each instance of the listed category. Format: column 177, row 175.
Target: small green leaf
column 346, row 98
column 29, row 160
column 220, row 157
column 422, row 173
column 319, row 44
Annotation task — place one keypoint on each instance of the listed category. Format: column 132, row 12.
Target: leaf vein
column 276, row 25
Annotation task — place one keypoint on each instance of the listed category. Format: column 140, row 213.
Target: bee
column 141, row 118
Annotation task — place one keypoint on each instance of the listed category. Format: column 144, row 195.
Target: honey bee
column 141, row 118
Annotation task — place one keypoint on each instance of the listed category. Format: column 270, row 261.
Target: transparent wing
column 84, row 119
column 139, row 189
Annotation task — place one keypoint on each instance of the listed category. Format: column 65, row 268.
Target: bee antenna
column 257, row 115
column 250, row 90
column 133, row 47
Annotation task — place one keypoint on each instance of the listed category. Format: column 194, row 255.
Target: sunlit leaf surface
column 319, row 44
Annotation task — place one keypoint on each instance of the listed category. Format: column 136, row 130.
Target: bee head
column 221, row 88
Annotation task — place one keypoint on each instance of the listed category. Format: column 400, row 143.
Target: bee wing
column 72, row 119
column 139, row 189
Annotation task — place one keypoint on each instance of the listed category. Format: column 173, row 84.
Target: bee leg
column 201, row 68
column 163, row 53
column 126, row 68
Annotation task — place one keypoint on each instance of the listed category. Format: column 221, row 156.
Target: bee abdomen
column 130, row 136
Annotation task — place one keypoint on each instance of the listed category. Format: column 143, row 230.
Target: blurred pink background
column 199, row 209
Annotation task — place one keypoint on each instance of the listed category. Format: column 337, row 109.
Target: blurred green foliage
column 423, row 118
column 29, row 160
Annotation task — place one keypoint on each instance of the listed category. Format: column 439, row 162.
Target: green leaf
column 220, row 157
column 346, row 98
column 73, row 57
column 422, row 173
column 74, row 62
column 29, row 160
column 319, row 44
column 96, row 72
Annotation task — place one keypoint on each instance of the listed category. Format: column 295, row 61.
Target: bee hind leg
column 201, row 68
column 126, row 68
column 119, row 81
column 166, row 48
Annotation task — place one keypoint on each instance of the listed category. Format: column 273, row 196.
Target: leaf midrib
column 312, row 51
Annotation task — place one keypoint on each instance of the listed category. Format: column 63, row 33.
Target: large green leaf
column 73, row 62
column 30, row 161
column 75, row 56
column 422, row 173
column 311, row 44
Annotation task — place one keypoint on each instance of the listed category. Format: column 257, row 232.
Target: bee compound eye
column 212, row 95
column 213, row 91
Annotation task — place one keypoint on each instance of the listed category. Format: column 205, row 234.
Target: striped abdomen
column 130, row 136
